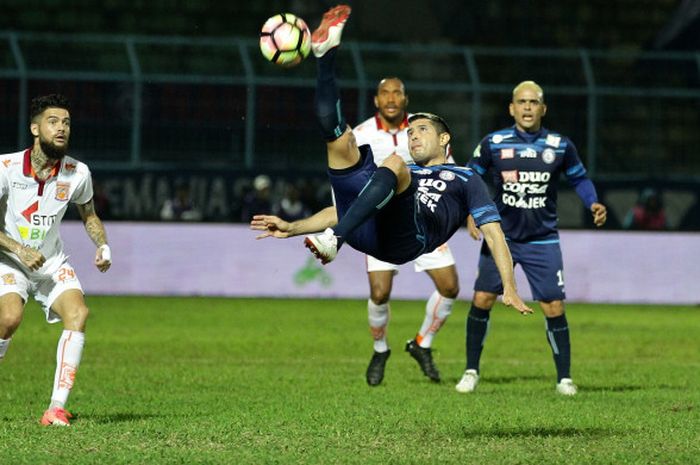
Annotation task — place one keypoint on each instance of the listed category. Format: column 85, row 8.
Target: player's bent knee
column 75, row 318
column 484, row 300
column 380, row 296
column 450, row 291
column 9, row 322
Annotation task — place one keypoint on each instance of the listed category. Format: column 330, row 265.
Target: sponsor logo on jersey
column 62, row 190
column 9, row 279
column 548, row 156
column 19, row 185
column 423, row 171
column 426, row 194
column 447, row 175
column 509, row 176
column 27, row 213
column 6, row 162
column 507, row 153
column 552, row 140
column 528, row 153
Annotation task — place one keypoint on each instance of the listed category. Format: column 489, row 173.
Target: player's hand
column 103, row 258
column 600, row 214
column 273, row 226
column 474, row 231
column 512, row 299
column 32, row 258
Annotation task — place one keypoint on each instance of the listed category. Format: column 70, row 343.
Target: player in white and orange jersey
column 36, row 186
column 386, row 133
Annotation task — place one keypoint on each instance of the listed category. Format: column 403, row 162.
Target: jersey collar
column 381, row 127
column 28, row 169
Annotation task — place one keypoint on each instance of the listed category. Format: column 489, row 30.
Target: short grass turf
column 199, row 380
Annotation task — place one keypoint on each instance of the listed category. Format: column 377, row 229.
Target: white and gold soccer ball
column 285, row 40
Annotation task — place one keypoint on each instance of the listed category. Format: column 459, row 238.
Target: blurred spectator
column 258, row 200
column 181, row 207
column 647, row 214
column 103, row 206
column 290, row 207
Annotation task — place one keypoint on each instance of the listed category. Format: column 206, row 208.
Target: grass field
column 195, row 380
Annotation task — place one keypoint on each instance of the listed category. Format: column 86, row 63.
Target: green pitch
column 195, row 380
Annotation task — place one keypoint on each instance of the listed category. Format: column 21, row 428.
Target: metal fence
column 150, row 102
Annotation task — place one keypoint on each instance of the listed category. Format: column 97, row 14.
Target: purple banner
column 226, row 260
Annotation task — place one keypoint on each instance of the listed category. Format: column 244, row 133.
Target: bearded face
column 52, row 129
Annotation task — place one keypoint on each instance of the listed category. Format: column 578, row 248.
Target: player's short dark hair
column 390, row 78
column 438, row 123
column 41, row 103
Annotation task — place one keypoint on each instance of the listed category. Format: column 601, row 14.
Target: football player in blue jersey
column 392, row 212
column 525, row 162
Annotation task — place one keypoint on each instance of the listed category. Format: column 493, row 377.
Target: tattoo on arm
column 93, row 224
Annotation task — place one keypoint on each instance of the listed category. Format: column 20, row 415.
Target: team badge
column 509, row 176
column 497, row 139
column 548, row 156
column 9, row 279
column 69, row 166
column 6, row 162
column 552, row 140
column 507, row 153
column 447, row 175
column 62, row 190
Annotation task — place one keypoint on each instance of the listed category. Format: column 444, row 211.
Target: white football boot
column 324, row 246
column 468, row 382
column 566, row 387
column 327, row 34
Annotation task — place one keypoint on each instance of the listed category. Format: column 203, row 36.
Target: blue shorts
column 391, row 234
column 542, row 264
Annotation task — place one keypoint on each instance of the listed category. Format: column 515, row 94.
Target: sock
column 437, row 309
column 477, row 330
column 68, row 353
column 558, row 338
column 377, row 192
column 4, row 344
column 327, row 102
column 378, row 316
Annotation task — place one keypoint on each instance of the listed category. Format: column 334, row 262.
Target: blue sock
column 327, row 102
column 477, row 328
column 377, row 192
column 558, row 338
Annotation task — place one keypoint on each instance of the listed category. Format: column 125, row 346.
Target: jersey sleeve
column 577, row 176
column 479, row 202
column 4, row 182
column 83, row 191
column 481, row 158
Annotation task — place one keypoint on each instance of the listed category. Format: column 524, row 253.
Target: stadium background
column 180, row 94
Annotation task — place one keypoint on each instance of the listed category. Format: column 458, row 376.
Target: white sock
column 68, row 353
column 378, row 316
column 4, row 344
column 437, row 309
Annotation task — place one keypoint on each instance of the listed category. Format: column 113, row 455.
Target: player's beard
column 52, row 151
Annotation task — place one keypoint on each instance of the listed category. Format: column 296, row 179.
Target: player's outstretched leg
column 327, row 34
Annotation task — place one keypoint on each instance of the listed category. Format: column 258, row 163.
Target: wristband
column 106, row 253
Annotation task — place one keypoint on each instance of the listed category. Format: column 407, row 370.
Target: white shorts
column 44, row 287
column 438, row 258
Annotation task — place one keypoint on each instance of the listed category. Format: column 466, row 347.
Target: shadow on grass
column 618, row 388
column 540, row 432
column 512, row 379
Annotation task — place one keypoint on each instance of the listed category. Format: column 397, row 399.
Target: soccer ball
column 285, row 40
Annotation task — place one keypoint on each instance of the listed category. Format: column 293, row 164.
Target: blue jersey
column 445, row 196
column 419, row 219
column 525, row 169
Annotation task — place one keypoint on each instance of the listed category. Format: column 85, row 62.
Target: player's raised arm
column 98, row 235
column 277, row 227
column 493, row 234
